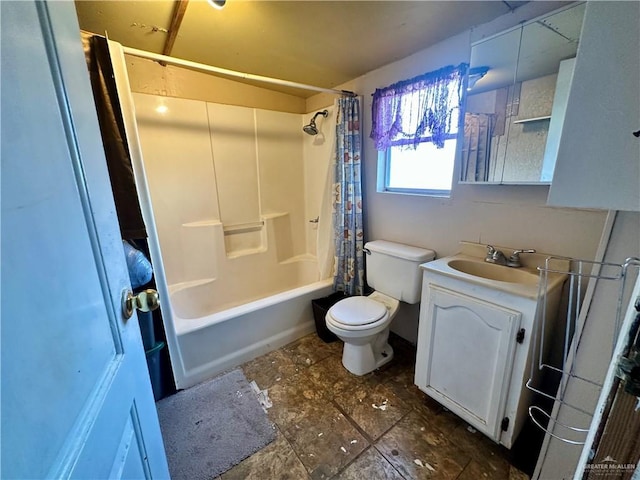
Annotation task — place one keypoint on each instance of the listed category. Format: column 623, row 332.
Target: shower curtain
column 347, row 200
column 114, row 138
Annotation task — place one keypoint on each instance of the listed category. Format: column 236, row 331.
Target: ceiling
column 322, row 43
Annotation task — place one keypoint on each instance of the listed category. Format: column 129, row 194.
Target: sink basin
column 495, row 272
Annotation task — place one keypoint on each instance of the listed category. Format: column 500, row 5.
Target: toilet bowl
column 362, row 323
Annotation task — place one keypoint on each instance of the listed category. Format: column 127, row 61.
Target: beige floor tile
column 370, row 465
column 272, row 368
column 324, row 440
column 331, row 378
column 308, row 350
column 336, row 347
column 481, row 449
column 317, row 402
column 290, row 398
column 374, row 409
column 479, row 470
column 275, row 461
column 444, row 420
column 419, row 450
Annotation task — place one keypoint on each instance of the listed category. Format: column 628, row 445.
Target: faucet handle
column 514, row 259
column 490, row 250
column 518, row 252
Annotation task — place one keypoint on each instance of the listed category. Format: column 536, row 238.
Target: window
column 425, row 169
column 415, row 127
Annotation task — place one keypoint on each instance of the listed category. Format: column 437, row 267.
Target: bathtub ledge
column 184, row 326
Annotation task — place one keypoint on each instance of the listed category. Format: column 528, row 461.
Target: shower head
column 311, row 129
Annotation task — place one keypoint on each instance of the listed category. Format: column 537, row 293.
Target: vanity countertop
column 525, row 280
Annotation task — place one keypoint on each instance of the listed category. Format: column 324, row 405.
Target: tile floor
column 332, row 424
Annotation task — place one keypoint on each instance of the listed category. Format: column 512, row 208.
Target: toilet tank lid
column 400, row 250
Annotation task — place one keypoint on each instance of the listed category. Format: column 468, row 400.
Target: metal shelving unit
column 579, row 273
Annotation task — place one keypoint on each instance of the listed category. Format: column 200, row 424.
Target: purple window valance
column 424, row 108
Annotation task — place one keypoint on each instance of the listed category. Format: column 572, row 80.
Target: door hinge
column 520, row 335
column 504, row 426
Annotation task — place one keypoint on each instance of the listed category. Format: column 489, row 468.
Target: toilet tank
column 392, row 269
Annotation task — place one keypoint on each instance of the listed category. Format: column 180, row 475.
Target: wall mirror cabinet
column 518, row 88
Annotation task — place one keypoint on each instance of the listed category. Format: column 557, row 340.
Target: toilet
column 362, row 322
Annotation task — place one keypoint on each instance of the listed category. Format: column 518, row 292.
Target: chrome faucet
column 514, row 259
column 495, row 256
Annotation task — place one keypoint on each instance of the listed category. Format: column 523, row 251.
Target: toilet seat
column 358, row 313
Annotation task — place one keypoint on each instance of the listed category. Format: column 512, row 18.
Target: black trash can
column 155, row 372
column 320, row 308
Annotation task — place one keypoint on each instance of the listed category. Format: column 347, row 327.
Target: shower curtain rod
column 249, row 76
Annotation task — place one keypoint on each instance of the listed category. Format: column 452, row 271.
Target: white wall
column 505, row 215
column 516, row 216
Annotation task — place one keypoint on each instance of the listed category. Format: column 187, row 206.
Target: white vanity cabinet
column 598, row 164
column 474, row 347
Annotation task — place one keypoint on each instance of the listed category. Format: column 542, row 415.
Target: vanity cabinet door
column 598, row 164
column 470, row 346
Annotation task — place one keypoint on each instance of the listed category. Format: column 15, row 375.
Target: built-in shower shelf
column 243, row 227
column 533, row 119
column 176, row 287
column 245, row 252
column 203, row 223
column 270, row 216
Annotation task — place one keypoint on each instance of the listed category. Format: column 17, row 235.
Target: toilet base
column 363, row 359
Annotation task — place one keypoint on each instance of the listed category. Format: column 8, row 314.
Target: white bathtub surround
column 224, row 198
column 325, row 245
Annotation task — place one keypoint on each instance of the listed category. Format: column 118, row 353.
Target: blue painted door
column 76, row 396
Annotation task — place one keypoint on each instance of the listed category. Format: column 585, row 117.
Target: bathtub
column 234, row 257
column 215, row 337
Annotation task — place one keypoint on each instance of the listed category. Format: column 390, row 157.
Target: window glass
column 426, row 169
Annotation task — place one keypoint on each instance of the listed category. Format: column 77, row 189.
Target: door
column 470, row 346
column 76, row 396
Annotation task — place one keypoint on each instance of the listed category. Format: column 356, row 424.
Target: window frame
column 384, row 169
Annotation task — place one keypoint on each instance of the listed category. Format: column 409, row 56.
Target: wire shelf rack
column 582, row 275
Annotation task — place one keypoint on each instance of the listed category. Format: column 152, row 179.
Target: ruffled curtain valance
column 424, row 108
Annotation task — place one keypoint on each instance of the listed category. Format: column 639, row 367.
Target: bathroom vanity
column 478, row 322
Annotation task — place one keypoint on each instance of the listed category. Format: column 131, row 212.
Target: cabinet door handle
column 636, row 134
